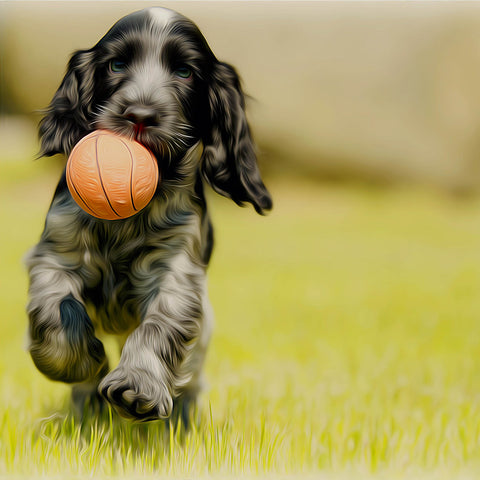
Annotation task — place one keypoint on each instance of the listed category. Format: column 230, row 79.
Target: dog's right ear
column 67, row 118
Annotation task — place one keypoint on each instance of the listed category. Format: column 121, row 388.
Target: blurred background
column 387, row 92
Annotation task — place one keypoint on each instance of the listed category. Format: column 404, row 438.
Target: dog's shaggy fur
column 152, row 77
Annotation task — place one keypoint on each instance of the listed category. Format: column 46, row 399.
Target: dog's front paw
column 137, row 396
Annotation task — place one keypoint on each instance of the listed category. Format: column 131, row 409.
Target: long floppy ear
column 66, row 119
column 229, row 159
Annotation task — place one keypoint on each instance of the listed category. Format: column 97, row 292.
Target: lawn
column 346, row 345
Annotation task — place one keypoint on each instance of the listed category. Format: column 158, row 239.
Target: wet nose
column 141, row 115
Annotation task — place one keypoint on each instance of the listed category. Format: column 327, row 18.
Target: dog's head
column 153, row 77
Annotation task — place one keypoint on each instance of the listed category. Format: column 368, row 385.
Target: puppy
column 154, row 78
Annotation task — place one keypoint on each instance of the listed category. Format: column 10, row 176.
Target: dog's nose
column 141, row 115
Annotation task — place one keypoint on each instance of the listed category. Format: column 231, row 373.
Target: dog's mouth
column 140, row 133
column 144, row 135
column 138, row 130
column 151, row 139
column 166, row 140
column 165, row 144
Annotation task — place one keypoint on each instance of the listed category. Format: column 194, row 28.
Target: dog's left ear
column 229, row 159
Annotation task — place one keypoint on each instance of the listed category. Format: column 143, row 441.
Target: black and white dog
column 154, row 78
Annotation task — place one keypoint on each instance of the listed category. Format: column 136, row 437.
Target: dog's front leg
column 153, row 365
column 63, row 345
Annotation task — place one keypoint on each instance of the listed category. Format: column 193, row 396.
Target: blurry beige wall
column 385, row 91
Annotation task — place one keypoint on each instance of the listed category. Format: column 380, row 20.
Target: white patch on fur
column 162, row 16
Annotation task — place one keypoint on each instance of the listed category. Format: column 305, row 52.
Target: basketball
column 111, row 176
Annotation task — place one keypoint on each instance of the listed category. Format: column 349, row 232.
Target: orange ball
column 110, row 176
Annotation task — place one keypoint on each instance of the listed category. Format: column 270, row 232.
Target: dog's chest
column 122, row 268
column 111, row 293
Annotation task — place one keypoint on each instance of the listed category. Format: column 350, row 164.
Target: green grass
column 346, row 345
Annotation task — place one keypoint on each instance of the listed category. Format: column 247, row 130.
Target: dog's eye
column 183, row 72
column 117, row 66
